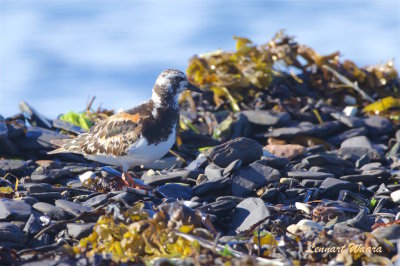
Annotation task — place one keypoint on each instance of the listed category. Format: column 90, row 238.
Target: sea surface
column 57, row 54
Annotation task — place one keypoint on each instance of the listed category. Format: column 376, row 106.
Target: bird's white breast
column 138, row 153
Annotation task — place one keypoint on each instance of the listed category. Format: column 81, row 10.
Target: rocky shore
column 290, row 175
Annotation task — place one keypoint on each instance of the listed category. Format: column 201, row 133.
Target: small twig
column 60, row 223
column 90, row 103
column 346, row 81
column 42, row 248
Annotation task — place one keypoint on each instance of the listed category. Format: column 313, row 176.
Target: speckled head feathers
column 169, row 84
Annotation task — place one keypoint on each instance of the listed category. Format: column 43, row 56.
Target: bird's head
column 169, row 84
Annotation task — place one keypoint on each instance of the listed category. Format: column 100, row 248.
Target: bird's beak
column 191, row 87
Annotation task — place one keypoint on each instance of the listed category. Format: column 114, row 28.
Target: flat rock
column 369, row 177
column 266, row 118
column 43, row 174
column 350, row 121
column 11, row 233
column 60, row 124
column 355, row 153
column 33, row 225
column 169, row 177
column 245, row 149
column 252, row 177
column 78, row 231
column 220, row 208
column 306, row 129
column 288, row 151
column 378, row 125
column 213, row 171
column 52, row 211
column 359, row 141
column 339, row 138
column 175, row 191
column 16, row 129
column 96, row 201
column 248, row 214
column 38, row 188
column 14, row 210
column 323, row 159
column 15, row 167
column 3, row 129
column 47, row 196
column 37, row 138
column 72, row 207
column 34, row 117
column 391, row 232
column 332, row 186
column 309, row 175
column 212, row 186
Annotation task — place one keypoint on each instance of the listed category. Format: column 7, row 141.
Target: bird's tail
column 60, row 144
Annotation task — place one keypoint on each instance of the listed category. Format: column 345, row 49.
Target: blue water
column 56, row 54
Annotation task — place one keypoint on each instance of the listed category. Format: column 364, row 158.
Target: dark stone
column 11, row 233
column 362, row 161
column 368, row 177
column 199, row 162
column 16, row 129
column 46, row 196
column 355, row 153
column 232, row 167
column 35, row 118
column 309, row 183
column 378, row 125
column 38, row 188
column 212, row 186
column 43, row 174
column 213, row 171
column 14, row 167
column 335, row 170
column 245, row 149
column 331, row 187
column 219, row 208
column 248, row 214
column 60, row 124
column 323, row 159
column 96, row 201
column 78, row 231
column 391, row 232
column 309, row 175
column 28, row 200
column 270, row 195
column 266, row 118
column 274, row 162
column 306, row 129
column 52, row 211
column 14, row 210
column 350, row 121
column 175, row 191
column 359, row 141
column 3, row 129
column 253, row 177
column 72, row 207
column 339, row 138
column 343, row 230
column 33, row 225
column 172, row 176
column 37, row 138
column 125, row 198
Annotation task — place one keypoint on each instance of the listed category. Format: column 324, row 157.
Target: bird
column 139, row 135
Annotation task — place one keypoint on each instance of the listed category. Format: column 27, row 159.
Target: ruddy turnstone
column 139, row 135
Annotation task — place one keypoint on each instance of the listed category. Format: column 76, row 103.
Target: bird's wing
column 112, row 136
